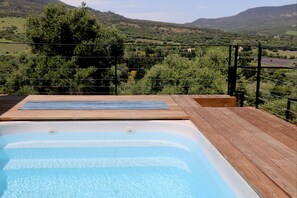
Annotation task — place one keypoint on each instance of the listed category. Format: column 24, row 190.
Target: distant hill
column 265, row 20
column 135, row 30
column 22, row 8
column 14, row 12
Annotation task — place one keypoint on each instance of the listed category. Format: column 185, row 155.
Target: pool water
column 95, row 105
column 117, row 164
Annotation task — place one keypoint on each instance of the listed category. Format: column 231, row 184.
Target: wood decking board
column 281, row 170
column 249, row 146
column 256, row 120
column 264, row 138
column 208, row 125
column 273, row 121
column 9, row 101
column 216, row 102
column 260, row 146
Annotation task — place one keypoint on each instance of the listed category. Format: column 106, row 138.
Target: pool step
column 96, row 158
column 105, row 152
column 109, row 194
column 105, row 172
column 94, row 182
column 28, row 174
column 19, row 164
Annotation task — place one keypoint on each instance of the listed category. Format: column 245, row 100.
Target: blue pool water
column 113, row 165
column 95, row 105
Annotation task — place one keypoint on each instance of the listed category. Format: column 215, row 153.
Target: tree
column 245, row 59
column 179, row 75
column 75, row 35
column 43, row 75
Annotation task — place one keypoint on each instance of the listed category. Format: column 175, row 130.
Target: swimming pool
column 113, row 159
column 95, row 105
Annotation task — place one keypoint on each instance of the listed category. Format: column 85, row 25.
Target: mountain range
column 22, row 8
column 265, row 20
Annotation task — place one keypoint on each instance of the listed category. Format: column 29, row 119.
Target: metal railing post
column 234, row 72
column 229, row 70
column 258, row 75
column 116, row 76
column 288, row 109
column 240, row 97
column 288, row 113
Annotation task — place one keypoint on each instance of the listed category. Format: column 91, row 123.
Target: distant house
column 190, row 50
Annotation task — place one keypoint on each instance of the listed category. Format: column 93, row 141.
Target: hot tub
column 113, row 159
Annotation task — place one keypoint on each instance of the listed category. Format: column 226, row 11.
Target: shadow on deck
column 9, row 101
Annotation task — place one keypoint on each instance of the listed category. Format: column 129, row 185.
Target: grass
column 278, row 62
column 18, row 22
column 12, row 49
column 283, row 53
column 292, row 33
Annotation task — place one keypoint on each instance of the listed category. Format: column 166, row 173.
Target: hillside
column 13, row 15
column 23, row 8
column 265, row 20
column 140, row 31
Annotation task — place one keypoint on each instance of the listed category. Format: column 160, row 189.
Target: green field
column 283, row 53
column 292, row 33
column 8, row 22
column 12, row 49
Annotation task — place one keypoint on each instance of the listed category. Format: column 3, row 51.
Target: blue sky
column 181, row 11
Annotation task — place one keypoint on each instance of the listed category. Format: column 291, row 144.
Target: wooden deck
column 260, row 146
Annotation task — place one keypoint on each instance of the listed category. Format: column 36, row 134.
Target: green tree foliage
column 278, row 108
column 71, row 32
column 276, row 87
column 7, row 66
column 73, row 52
column 179, row 75
column 49, row 75
column 142, row 58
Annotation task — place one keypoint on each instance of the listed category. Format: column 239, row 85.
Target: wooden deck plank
column 248, row 146
column 274, row 165
column 206, row 123
column 259, row 117
column 257, row 120
column 268, row 141
column 216, row 102
column 9, row 101
column 287, row 182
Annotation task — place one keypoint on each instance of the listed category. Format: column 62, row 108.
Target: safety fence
column 260, row 76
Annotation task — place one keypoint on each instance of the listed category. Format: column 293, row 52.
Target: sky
column 177, row 11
